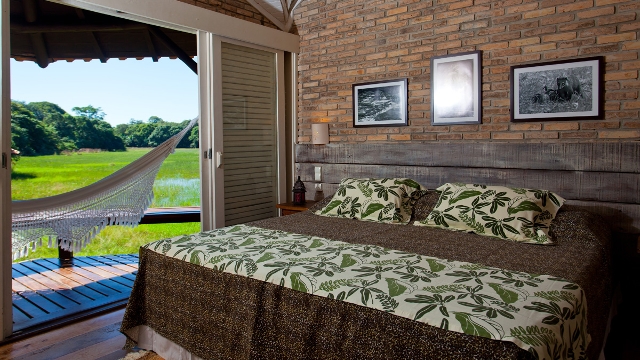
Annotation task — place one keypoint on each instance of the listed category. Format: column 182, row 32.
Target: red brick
column 477, row 136
column 507, row 136
column 621, row 75
column 596, row 12
column 578, row 135
column 445, row 136
column 559, row 37
column 541, row 135
column 605, row 39
column 402, row 137
column 575, row 6
column 526, row 127
column 539, row 13
column 562, row 126
column 621, row 134
column 423, row 137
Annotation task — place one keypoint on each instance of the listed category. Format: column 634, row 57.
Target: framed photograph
column 380, row 103
column 558, row 90
column 456, row 89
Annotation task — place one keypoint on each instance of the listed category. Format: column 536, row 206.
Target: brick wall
column 240, row 9
column 349, row 41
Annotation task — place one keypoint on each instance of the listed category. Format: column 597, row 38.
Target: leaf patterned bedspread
column 542, row 314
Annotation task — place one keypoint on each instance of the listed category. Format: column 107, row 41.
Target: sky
column 124, row 89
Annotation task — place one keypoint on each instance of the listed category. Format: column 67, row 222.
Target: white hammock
column 76, row 217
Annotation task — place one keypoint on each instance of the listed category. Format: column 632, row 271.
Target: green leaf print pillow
column 381, row 200
column 508, row 213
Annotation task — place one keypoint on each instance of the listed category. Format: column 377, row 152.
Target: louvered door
column 250, row 133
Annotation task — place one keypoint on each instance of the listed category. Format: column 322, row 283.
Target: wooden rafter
column 40, row 49
column 31, row 29
column 157, row 32
column 37, row 38
column 286, row 7
column 150, row 46
column 98, row 48
column 80, row 13
column 30, row 10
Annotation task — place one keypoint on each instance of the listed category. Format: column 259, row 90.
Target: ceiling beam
column 150, row 46
column 37, row 39
column 52, row 28
column 98, row 48
column 40, row 49
column 177, row 51
column 30, row 10
column 80, row 13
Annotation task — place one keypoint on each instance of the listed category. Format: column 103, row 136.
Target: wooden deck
column 46, row 293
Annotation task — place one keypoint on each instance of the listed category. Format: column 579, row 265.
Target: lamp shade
column 320, row 133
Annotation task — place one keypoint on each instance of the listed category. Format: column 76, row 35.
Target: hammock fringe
column 73, row 219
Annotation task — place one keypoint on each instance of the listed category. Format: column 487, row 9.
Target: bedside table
column 288, row 208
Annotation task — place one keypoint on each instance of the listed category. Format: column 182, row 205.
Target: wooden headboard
column 601, row 177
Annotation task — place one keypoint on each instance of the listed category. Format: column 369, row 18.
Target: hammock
column 76, row 217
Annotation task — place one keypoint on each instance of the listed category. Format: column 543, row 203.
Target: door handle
column 219, row 159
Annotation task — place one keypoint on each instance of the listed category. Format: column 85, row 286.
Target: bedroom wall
column 349, row 41
column 240, row 9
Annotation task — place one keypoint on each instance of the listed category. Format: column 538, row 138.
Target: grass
column 177, row 184
column 39, row 176
column 121, row 240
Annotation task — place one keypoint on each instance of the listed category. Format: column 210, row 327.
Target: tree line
column 44, row 128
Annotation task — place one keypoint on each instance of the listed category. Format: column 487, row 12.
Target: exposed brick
column 507, row 136
column 424, row 137
column 562, row 126
column 578, row 135
column 522, row 42
column 615, row 19
column 621, row 134
column 608, row 2
column 560, row 54
column 605, row 39
column 600, row 125
column 539, row 13
column 450, row 136
column 621, row 75
column 477, row 136
column 540, row 48
column 596, row 12
column 344, row 42
column 401, row 137
column 558, row 19
column 376, row 137
column 526, row 127
column 630, row 27
column 580, row 5
column 541, row 135
column 559, row 37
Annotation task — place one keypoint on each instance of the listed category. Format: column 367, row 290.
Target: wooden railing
column 151, row 216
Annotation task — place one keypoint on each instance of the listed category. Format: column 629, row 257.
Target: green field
column 177, row 184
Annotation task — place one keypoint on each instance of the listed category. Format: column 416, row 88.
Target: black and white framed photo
column 558, row 90
column 380, row 103
column 456, row 89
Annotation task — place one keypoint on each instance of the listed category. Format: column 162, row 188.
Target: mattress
column 215, row 314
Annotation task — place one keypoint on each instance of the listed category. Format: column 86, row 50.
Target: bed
column 211, row 314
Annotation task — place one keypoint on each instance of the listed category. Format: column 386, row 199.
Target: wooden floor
column 46, row 293
column 95, row 338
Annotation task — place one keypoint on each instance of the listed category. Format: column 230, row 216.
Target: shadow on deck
column 46, row 294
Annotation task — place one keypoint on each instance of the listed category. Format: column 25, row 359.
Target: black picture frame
column 456, row 89
column 380, row 103
column 558, row 90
